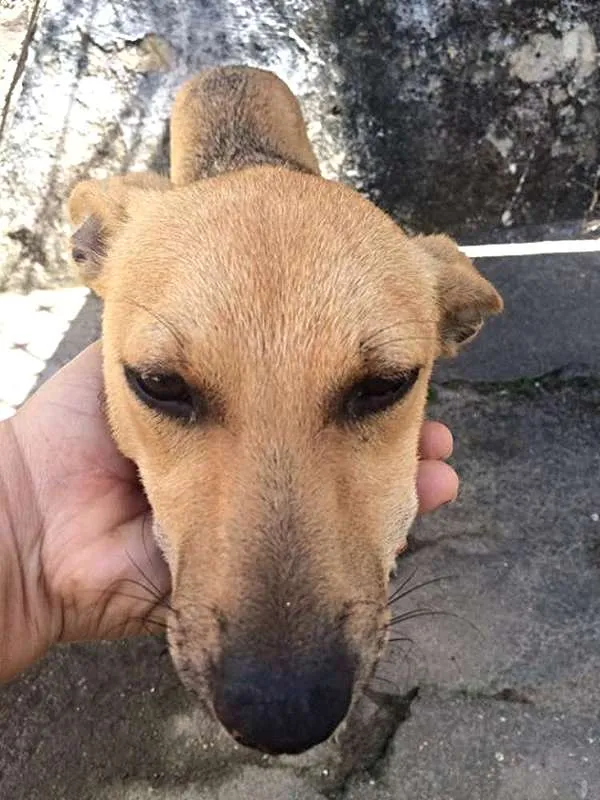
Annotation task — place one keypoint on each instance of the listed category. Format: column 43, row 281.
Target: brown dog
column 268, row 339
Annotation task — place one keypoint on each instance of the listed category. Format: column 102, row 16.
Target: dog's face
column 268, row 340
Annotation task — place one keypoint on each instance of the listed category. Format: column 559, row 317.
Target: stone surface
column 508, row 688
column 465, row 749
column 523, row 545
column 461, row 117
column 18, row 19
column 550, row 321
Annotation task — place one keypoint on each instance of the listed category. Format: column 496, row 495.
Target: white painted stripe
column 532, row 248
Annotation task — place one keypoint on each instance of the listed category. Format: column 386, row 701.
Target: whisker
column 112, row 590
column 152, row 588
column 159, row 318
column 134, row 596
column 404, row 583
column 415, row 612
column 148, row 589
column 406, row 652
column 143, row 574
column 366, row 344
column 160, row 600
column 429, row 612
column 401, row 639
column 145, row 621
column 150, row 621
column 407, row 655
column 397, row 324
column 403, row 340
column 401, row 595
column 146, row 551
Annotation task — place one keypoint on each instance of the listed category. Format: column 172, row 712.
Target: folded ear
column 465, row 297
column 99, row 209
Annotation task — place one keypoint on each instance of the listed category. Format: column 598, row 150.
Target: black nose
column 285, row 706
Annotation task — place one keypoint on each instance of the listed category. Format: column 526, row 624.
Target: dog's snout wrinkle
column 284, row 705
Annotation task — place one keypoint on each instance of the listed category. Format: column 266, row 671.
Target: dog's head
column 268, row 340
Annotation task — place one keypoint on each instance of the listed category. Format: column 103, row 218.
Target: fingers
column 437, row 484
column 138, row 586
column 436, row 441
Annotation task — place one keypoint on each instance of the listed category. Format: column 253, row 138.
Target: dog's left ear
column 99, row 209
column 465, row 297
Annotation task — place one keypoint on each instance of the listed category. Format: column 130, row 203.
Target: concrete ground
column 501, row 701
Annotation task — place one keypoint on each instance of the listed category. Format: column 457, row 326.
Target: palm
column 97, row 551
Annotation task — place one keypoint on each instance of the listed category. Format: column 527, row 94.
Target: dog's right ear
column 465, row 298
column 98, row 209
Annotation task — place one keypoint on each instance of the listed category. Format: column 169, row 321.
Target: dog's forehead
column 260, row 259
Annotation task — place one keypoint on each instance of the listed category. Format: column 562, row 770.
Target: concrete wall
column 467, row 116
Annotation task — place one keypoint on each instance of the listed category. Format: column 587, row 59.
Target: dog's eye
column 374, row 394
column 164, row 392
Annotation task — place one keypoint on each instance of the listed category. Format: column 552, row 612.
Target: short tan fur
column 303, row 325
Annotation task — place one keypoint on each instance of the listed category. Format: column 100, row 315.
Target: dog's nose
column 283, row 707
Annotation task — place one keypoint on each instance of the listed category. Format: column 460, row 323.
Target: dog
column 268, row 338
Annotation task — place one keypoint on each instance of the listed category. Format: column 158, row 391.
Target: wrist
column 24, row 606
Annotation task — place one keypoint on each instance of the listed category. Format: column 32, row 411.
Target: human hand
column 81, row 541
column 81, row 526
